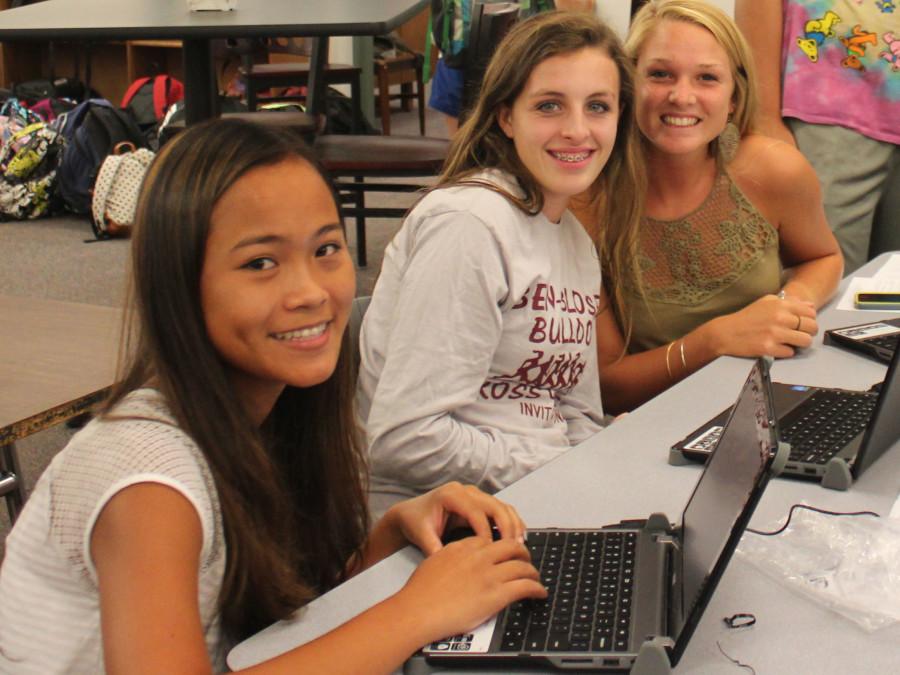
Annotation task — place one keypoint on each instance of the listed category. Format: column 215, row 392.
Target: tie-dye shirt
column 842, row 64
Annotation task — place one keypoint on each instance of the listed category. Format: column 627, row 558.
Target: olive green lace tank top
column 714, row 261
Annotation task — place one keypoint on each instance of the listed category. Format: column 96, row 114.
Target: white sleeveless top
column 49, row 602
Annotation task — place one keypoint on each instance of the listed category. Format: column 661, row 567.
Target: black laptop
column 877, row 339
column 632, row 593
column 834, row 434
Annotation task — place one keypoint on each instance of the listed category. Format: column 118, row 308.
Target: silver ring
column 782, row 295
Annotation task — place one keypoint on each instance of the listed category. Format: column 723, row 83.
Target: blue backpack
column 91, row 130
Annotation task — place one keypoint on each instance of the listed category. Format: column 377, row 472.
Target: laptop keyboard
column 589, row 577
column 888, row 342
column 825, row 423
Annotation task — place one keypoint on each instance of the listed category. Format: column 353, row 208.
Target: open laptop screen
column 884, row 427
column 731, row 479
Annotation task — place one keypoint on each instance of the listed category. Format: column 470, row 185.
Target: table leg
column 315, row 87
column 364, row 58
column 200, row 85
column 11, row 480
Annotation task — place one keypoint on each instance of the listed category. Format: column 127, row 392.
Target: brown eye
column 328, row 249
column 260, row 264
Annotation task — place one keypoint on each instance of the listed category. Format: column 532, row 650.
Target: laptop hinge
column 674, row 601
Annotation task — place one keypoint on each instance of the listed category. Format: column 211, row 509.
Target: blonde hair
column 726, row 33
column 618, row 193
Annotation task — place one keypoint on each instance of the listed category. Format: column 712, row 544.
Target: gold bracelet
column 683, row 362
column 668, row 367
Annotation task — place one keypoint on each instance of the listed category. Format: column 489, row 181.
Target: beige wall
column 617, row 12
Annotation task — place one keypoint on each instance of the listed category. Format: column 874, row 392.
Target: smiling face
column 563, row 123
column 277, row 282
column 684, row 88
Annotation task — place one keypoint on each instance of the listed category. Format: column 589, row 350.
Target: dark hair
column 292, row 492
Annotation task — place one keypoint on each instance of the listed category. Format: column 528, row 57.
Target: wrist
column 385, row 537
column 796, row 291
column 705, row 343
column 390, row 527
column 420, row 627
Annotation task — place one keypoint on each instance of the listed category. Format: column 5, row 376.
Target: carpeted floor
column 58, row 258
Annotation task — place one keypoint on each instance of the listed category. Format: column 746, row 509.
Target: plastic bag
column 849, row 564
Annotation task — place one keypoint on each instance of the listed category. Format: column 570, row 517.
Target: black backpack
column 31, row 91
column 91, row 131
column 339, row 115
column 148, row 99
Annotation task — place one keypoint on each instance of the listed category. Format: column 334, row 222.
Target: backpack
column 148, row 99
column 449, row 27
column 31, row 91
column 449, row 30
column 173, row 121
column 339, row 115
column 51, row 108
column 117, row 189
column 29, row 160
column 530, row 7
column 92, row 130
column 14, row 117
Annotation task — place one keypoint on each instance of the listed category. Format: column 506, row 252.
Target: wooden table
column 57, row 359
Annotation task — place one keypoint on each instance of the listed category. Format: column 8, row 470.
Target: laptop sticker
column 869, row 330
column 705, row 441
column 476, row 642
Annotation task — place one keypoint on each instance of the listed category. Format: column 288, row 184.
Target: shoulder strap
column 429, row 43
column 132, row 90
column 160, row 95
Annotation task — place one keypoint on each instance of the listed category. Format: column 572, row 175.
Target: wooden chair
column 405, row 69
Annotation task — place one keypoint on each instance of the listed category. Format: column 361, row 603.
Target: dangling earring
column 728, row 142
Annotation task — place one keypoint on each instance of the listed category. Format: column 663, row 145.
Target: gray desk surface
column 623, row 473
column 139, row 19
column 53, row 357
column 153, row 19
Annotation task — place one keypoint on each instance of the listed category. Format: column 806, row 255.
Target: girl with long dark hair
column 222, row 486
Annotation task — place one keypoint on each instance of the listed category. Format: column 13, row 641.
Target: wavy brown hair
column 292, row 492
column 617, row 196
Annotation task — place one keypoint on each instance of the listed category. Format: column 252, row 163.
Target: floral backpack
column 28, row 162
column 14, row 117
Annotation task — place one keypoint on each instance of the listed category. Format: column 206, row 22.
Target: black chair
column 354, row 326
column 11, row 480
column 351, row 159
column 260, row 77
column 491, row 21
